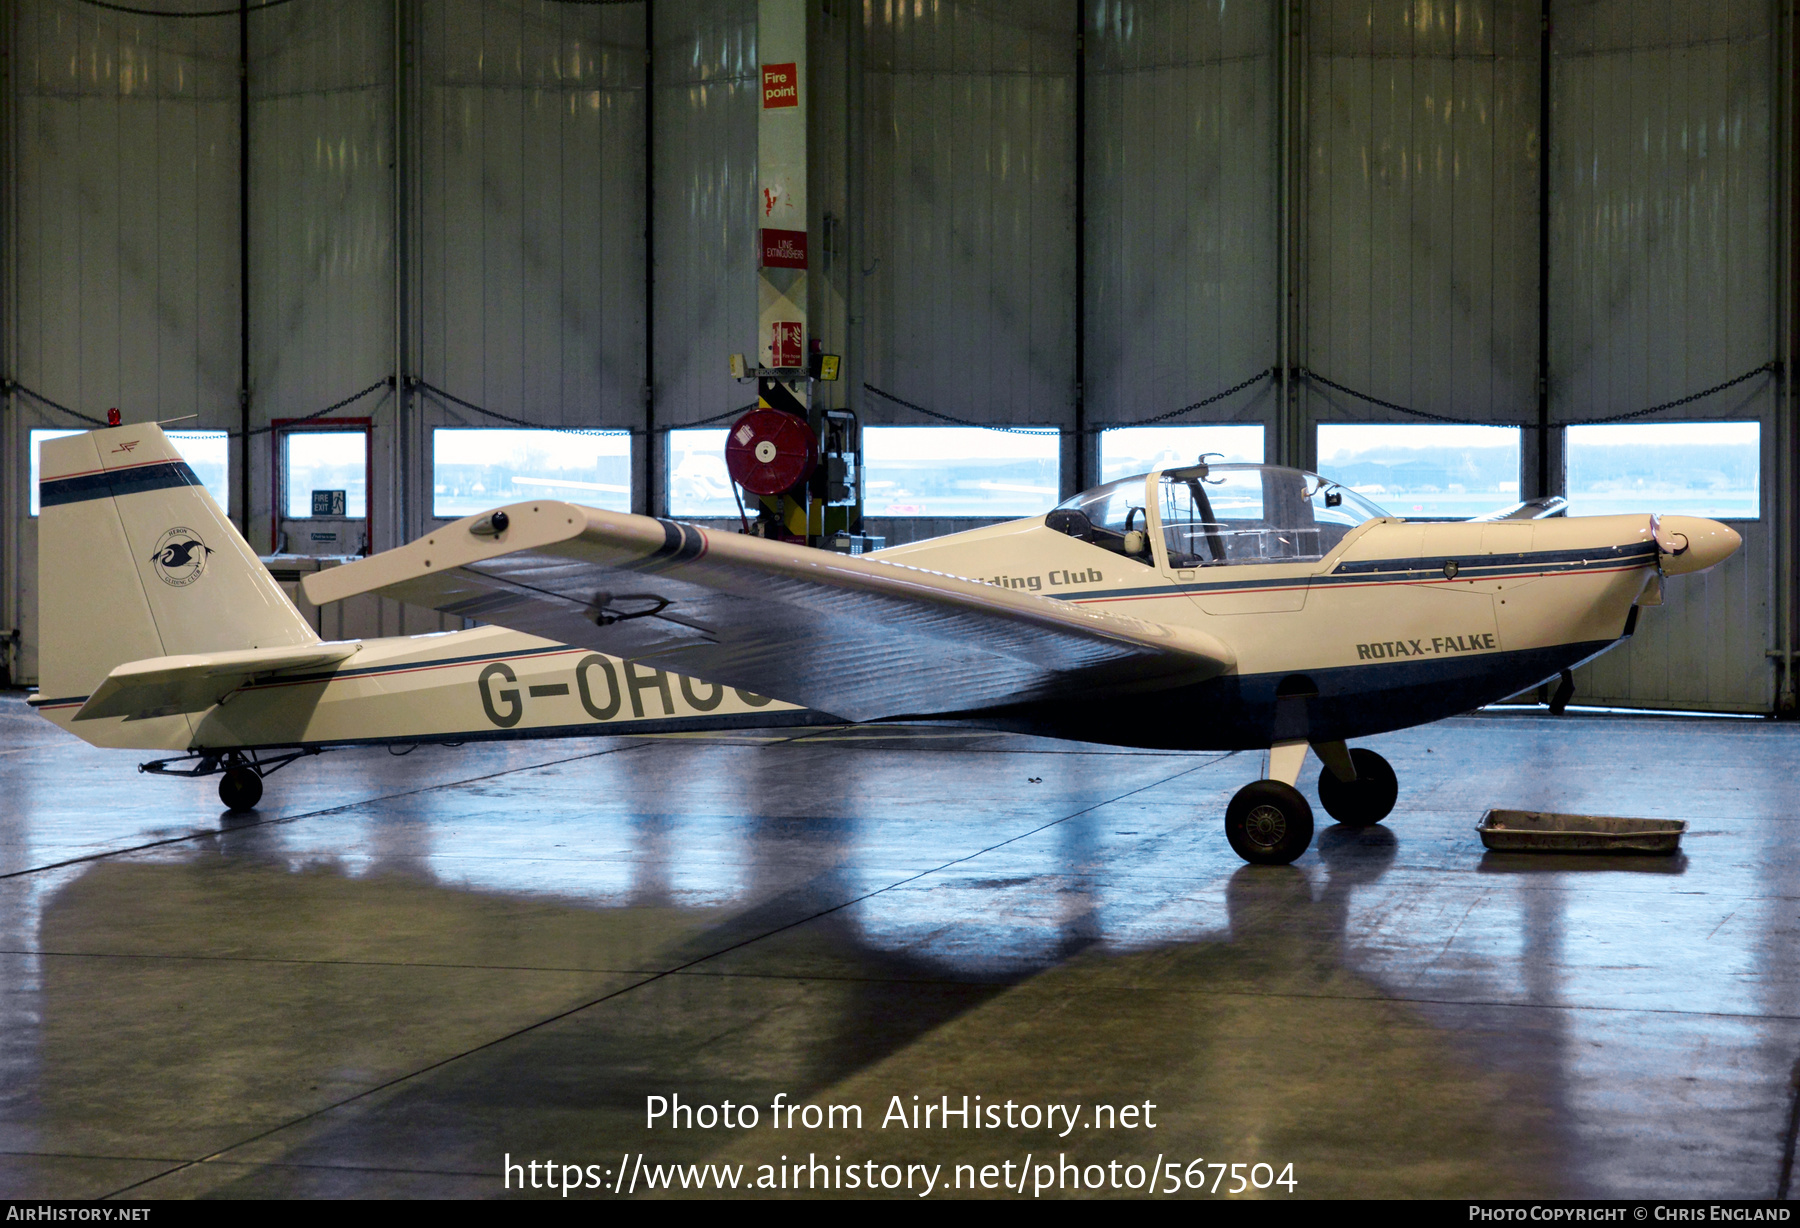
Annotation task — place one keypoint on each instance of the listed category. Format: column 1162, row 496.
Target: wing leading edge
column 857, row 638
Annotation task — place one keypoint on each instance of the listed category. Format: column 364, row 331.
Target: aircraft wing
column 166, row 686
column 857, row 638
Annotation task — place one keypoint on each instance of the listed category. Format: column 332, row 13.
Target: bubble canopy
column 1217, row 515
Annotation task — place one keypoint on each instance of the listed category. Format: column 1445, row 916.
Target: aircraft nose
column 1693, row 543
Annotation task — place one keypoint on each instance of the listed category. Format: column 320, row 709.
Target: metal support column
column 1083, row 479
column 649, row 498
column 12, row 434
column 1288, row 443
column 409, row 459
column 244, row 267
column 1543, row 484
column 1786, row 52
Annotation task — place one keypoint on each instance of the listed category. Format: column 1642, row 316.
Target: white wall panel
column 1182, row 208
column 126, row 249
column 1422, row 188
column 321, row 206
column 970, row 212
column 707, row 92
column 1662, row 204
column 1662, row 283
column 530, row 209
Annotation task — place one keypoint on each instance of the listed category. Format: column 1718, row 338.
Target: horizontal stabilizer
column 166, row 686
column 858, row 638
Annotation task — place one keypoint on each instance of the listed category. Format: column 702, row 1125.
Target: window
column 325, row 460
column 37, row 461
column 1425, row 470
column 699, row 484
column 1110, row 516
column 1254, row 514
column 474, row 470
column 208, row 454
column 1127, row 450
column 959, row 471
column 1686, row 468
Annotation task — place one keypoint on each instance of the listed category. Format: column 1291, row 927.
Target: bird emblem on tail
column 180, row 557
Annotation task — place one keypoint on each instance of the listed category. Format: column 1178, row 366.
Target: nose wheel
column 1365, row 801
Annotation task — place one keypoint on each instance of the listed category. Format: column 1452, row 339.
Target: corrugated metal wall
column 969, row 229
column 125, row 154
column 1421, row 219
column 704, row 163
column 321, row 226
column 1663, row 208
column 1183, row 228
column 530, row 209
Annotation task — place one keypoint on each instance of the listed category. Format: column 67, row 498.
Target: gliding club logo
column 180, row 557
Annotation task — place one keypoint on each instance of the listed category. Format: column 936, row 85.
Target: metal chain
column 136, row 12
column 932, row 413
column 1188, row 409
column 1092, row 430
column 433, row 390
column 11, row 386
column 1657, row 409
column 269, row 4
column 730, row 413
column 1315, row 377
column 383, row 382
column 40, row 398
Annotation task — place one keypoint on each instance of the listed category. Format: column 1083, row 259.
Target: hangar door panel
column 1706, row 647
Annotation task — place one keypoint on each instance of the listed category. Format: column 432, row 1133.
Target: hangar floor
column 403, row 971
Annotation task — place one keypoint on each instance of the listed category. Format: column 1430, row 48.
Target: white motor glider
column 1230, row 607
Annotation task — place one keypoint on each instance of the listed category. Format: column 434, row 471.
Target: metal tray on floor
column 1536, row 831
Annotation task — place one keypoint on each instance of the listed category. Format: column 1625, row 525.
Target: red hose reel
column 769, row 451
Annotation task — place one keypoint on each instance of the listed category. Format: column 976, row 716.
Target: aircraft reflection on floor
column 500, row 953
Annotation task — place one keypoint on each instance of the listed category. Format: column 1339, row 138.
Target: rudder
column 137, row 560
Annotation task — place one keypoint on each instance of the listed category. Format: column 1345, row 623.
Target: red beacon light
column 112, row 417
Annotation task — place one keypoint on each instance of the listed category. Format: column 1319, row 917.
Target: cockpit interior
column 1217, row 515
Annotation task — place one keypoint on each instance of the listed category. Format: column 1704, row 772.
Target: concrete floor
column 403, row 970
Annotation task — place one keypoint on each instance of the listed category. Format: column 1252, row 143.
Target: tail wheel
column 1365, row 801
column 1269, row 823
column 240, row 788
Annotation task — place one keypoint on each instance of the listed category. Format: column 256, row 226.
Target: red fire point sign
column 784, row 350
column 781, row 85
column 783, row 249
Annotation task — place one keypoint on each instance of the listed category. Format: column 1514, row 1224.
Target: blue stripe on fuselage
column 111, row 483
column 1404, row 571
column 1245, row 712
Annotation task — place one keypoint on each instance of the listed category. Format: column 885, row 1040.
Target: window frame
column 1762, row 459
column 1100, row 451
column 591, row 431
column 1393, row 499
column 1043, row 431
column 279, row 430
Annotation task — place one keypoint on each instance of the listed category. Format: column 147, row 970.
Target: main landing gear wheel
column 1365, row 801
column 1269, row 823
column 240, row 788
